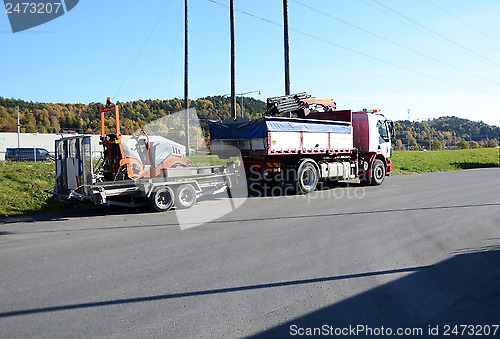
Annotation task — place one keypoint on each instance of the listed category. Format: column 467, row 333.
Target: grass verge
column 208, row 160
column 404, row 162
column 22, row 186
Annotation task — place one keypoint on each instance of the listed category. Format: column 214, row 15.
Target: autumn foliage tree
column 134, row 115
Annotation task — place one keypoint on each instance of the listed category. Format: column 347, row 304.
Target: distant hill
column 443, row 132
column 53, row 118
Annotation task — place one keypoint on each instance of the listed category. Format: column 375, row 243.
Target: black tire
column 307, row 178
column 378, row 172
column 185, row 196
column 162, row 199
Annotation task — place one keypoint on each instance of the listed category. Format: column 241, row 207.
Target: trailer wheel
column 378, row 173
column 307, row 178
column 185, row 196
column 162, row 199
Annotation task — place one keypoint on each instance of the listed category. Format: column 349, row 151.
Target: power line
column 355, row 51
column 395, row 43
column 444, row 42
column 463, row 22
column 247, row 13
column 439, row 35
column 416, row 28
column 142, row 48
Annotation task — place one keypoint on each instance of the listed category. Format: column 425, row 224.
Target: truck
column 320, row 143
column 151, row 171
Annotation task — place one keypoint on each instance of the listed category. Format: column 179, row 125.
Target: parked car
column 28, row 154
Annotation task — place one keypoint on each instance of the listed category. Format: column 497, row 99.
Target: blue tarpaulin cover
column 255, row 129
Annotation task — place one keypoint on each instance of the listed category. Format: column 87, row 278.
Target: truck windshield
column 382, row 130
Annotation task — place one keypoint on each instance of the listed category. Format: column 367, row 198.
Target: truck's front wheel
column 307, row 178
column 378, row 173
column 161, row 199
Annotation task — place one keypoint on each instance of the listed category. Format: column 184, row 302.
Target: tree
column 413, row 144
column 462, row 144
column 434, row 145
column 47, row 117
column 492, row 143
column 474, row 144
column 9, row 128
column 399, row 145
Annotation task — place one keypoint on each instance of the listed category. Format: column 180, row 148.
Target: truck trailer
column 322, row 143
column 152, row 171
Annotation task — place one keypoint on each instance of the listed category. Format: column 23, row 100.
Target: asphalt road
column 419, row 251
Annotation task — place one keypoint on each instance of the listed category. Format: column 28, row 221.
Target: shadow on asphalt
column 463, row 290
column 89, row 210
column 259, row 190
column 472, row 165
column 78, row 210
column 74, row 212
column 460, row 290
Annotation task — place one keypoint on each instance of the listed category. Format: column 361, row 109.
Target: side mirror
column 391, row 128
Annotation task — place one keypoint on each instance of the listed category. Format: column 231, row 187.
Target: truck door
column 384, row 144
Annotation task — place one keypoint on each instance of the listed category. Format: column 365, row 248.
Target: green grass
column 404, row 162
column 207, row 160
column 22, row 186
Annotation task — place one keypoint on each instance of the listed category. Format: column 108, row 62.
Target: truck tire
column 307, row 178
column 185, row 196
column 378, row 172
column 162, row 199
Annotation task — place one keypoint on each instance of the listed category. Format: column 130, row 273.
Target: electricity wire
column 142, row 48
column 355, row 51
column 439, row 35
column 463, row 22
column 395, row 43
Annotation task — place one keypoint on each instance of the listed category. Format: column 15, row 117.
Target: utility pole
column 287, row 47
column 410, row 126
column 186, row 81
column 242, row 106
column 233, row 77
column 18, row 127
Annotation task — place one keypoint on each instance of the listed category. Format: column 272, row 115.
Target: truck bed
column 276, row 136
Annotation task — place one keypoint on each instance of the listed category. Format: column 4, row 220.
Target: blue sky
column 434, row 57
